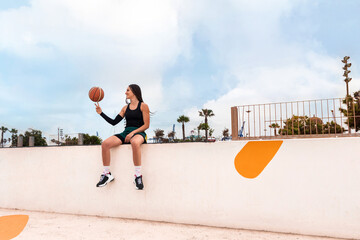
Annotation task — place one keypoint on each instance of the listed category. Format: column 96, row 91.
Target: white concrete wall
column 312, row 186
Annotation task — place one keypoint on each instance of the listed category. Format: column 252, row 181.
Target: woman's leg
column 106, row 145
column 106, row 176
column 136, row 142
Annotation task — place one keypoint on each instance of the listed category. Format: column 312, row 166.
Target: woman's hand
column 98, row 108
column 129, row 136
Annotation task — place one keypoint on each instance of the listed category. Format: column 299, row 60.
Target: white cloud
column 115, row 43
column 268, row 65
column 318, row 77
column 111, row 43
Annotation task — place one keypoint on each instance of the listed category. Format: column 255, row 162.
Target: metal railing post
column 234, row 123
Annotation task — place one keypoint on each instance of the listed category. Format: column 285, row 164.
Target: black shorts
column 128, row 130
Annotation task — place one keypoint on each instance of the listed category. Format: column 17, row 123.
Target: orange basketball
column 96, row 94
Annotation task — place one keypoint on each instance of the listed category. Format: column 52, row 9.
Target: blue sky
column 185, row 55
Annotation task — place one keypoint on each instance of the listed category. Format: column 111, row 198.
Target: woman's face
column 129, row 93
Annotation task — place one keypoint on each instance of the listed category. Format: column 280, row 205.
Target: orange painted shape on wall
column 255, row 156
column 11, row 226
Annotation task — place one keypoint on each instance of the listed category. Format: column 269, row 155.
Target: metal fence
column 309, row 118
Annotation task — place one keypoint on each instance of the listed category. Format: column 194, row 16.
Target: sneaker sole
column 106, row 183
column 137, row 187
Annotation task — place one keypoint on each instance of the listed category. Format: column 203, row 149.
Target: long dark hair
column 136, row 91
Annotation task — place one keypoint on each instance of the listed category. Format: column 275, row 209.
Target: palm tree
column 183, row 119
column 274, row 126
column 3, row 130
column 203, row 126
column 206, row 113
column 198, row 129
column 13, row 132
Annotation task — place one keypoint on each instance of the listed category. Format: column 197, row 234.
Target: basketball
column 96, row 94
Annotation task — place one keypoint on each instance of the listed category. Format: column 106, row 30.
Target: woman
column 137, row 116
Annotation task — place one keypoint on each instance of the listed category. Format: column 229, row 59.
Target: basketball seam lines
column 95, row 93
column 99, row 95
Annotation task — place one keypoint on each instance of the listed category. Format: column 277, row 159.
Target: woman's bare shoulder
column 123, row 110
column 144, row 106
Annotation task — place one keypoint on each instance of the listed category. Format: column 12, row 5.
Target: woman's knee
column 110, row 142
column 135, row 144
column 105, row 145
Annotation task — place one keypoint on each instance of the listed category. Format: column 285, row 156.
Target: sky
column 185, row 55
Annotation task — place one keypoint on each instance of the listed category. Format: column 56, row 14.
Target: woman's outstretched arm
column 109, row 120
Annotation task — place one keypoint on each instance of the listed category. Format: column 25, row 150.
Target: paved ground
column 51, row 226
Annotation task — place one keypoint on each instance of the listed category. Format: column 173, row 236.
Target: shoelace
column 139, row 180
column 102, row 177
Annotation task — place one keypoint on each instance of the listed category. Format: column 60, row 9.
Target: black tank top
column 134, row 118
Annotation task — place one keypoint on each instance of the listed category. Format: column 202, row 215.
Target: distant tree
column 352, row 111
column 274, row 126
column 303, row 125
column 37, row 134
column 56, row 142
column 183, row 119
column 13, row 132
column 87, row 140
column 225, row 133
column 357, row 96
column 71, row 141
column 198, row 129
column 211, row 131
column 159, row 134
column 206, row 113
column 332, row 127
column 91, row 140
column 205, row 127
column 171, row 135
column 3, row 130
